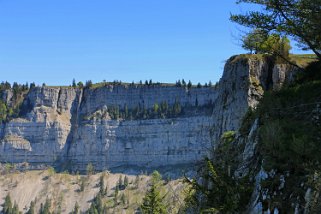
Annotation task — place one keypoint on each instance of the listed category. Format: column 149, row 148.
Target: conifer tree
column 31, row 208
column 101, row 185
column 15, row 209
column 7, row 206
column 153, row 201
column 74, row 83
column 123, row 199
column 46, row 208
column 126, row 181
column 120, row 182
column 76, row 209
column 189, row 84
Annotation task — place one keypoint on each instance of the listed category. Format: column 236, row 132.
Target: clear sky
column 129, row 40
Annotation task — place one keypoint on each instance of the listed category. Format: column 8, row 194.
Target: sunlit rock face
column 63, row 125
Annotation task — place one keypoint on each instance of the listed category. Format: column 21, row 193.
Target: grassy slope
column 64, row 190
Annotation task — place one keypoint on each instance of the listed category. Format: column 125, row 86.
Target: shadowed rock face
column 67, row 125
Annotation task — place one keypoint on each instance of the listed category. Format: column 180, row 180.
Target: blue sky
column 128, row 40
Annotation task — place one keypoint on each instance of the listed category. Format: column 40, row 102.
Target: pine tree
column 82, row 184
column 7, row 206
column 116, row 195
column 46, row 207
column 126, row 181
column 120, row 182
column 183, row 83
column 32, row 85
column 76, row 209
column 177, row 108
column 101, row 185
column 90, row 169
column 123, row 199
column 31, row 208
column 80, row 84
column 15, row 209
column 189, row 85
column 137, row 181
column 153, row 201
column 74, row 83
column 106, row 189
column 178, row 83
column 89, row 83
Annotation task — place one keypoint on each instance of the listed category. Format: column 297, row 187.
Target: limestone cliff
column 71, row 126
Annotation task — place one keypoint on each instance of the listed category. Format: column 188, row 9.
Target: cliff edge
column 130, row 126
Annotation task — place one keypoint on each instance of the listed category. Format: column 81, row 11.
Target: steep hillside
column 272, row 163
column 127, row 125
column 288, row 137
column 65, row 190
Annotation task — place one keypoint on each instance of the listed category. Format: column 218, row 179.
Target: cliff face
column 75, row 126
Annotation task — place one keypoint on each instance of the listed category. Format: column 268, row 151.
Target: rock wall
column 56, row 124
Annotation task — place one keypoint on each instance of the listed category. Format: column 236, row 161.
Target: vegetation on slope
column 289, row 149
column 290, row 139
column 12, row 110
column 51, row 192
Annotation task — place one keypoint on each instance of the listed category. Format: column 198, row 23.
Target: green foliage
column 153, row 200
column 156, row 108
column 277, row 45
column 159, row 110
column 97, row 205
column 8, row 167
column 120, row 182
column 80, row 84
column 116, row 195
column 261, row 42
column 126, row 181
column 289, row 140
column 89, row 84
column 74, row 83
column 136, row 182
column 12, row 110
column 102, row 188
column 76, row 209
column 254, row 40
column 15, row 209
column 90, row 169
column 82, row 184
column 216, row 191
column 3, row 111
column 31, row 208
column 51, row 171
column 123, row 199
column 7, row 206
column 45, row 209
column 228, row 136
column 297, row 18
column 189, row 84
column 183, row 83
column 247, row 122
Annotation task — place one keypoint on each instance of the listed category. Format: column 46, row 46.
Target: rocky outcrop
column 66, row 125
